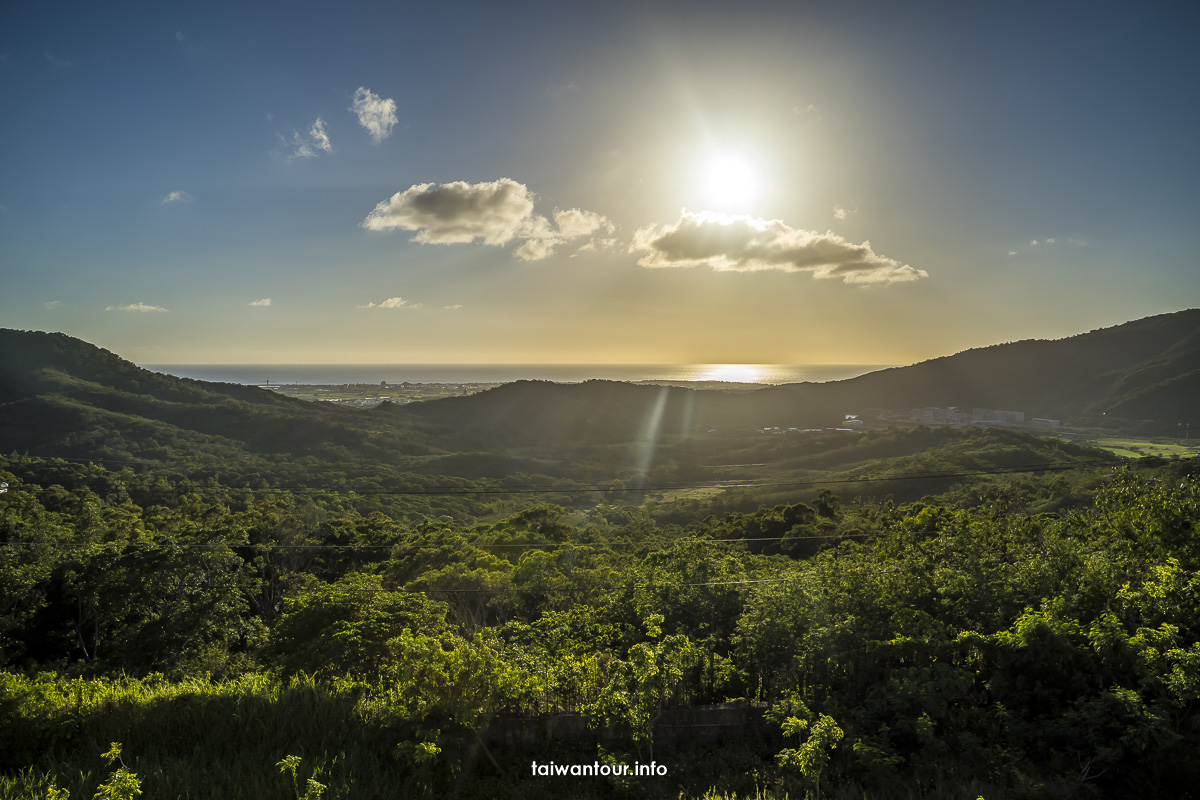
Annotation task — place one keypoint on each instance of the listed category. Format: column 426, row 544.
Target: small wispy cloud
column 189, row 47
column 393, row 302
column 596, row 245
column 377, row 115
column 839, row 212
column 176, row 197
column 556, row 93
column 454, row 307
column 1051, row 241
column 312, row 144
column 52, row 304
column 807, row 114
column 138, row 306
column 266, row 301
column 59, row 63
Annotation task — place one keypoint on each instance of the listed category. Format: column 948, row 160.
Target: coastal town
column 372, row 394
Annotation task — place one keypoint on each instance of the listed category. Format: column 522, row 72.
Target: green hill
column 1149, row 368
column 60, row 396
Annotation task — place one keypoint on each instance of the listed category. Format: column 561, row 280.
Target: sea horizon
column 343, row 374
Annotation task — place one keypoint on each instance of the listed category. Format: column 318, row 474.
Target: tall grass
column 194, row 738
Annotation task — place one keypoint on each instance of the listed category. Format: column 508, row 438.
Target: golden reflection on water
column 737, row 373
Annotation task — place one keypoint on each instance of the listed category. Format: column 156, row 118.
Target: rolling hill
column 63, row 396
column 1148, row 369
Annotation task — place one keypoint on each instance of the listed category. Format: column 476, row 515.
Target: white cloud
column 574, row 223
column 494, row 212
column 725, row 242
column 1050, row 241
column 177, row 197
column 266, row 301
column 595, row 246
column 457, row 212
column 138, row 306
column 454, row 307
column 52, row 304
column 840, row 213
column 393, row 302
column 543, row 238
column 307, row 146
column 535, row 249
column 1012, row 252
column 1033, row 242
column 374, row 113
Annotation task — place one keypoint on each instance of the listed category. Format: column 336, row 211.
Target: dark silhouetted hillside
column 62, row 396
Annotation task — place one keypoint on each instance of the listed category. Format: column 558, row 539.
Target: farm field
column 1142, row 448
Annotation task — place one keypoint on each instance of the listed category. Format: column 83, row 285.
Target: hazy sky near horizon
column 632, row 182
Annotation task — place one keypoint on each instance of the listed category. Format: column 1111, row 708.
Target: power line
column 433, row 545
column 611, row 489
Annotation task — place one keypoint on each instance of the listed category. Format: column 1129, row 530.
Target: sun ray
column 650, row 438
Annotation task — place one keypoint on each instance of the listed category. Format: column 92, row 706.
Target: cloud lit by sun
column 730, row 181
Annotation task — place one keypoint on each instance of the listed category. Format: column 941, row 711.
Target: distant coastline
column 339, row 374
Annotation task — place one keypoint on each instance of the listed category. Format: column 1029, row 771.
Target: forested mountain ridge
column 63, row 396
column 1149, row 368
column 60, row 395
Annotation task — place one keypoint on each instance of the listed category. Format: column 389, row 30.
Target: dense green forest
column 1018, row 634
column 211, row 591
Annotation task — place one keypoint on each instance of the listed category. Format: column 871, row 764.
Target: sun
column 730, row 181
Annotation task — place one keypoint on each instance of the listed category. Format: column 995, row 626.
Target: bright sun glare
column 730, row 181
column 733, row 373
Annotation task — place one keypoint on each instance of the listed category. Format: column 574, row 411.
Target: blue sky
column 638, row 182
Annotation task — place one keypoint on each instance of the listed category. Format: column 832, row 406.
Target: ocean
column 340, row 374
